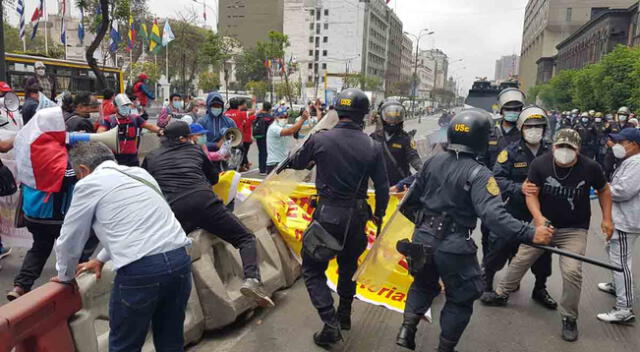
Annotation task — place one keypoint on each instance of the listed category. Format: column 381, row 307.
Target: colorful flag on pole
column 63, row 26
column 35, row 18
column 144, row 32
column 115, row 38
column 20, row 9
column 167, row 34
column 132, row 33
column 155, row 40
column 81, row 26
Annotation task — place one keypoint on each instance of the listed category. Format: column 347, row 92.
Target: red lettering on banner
column 398, row 297
column 391, row 292
column 382, row 291
column 299, row 234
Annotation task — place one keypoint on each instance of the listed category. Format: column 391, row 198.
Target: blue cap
column 197, row 128
column 280, row 111
column 628, row 134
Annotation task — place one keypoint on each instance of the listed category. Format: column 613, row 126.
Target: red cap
column 143, row 76
column 4, row 87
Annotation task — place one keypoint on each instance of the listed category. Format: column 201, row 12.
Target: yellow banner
column 384, row 280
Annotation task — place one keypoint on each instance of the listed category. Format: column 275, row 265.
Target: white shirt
column 130, row 219
column 277, row 145
column 625, row 192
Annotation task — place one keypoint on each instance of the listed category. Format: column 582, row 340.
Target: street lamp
column 423, row 32
column 227, row 67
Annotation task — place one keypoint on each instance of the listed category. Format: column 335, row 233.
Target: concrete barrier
column 218, row 275
column 90, row 326
column 291, row 266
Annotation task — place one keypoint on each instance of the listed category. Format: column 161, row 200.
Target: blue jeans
column 152, row 290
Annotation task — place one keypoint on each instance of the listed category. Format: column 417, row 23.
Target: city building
column 407, row 59
column 507, row 67
column 250, row 21
column 426, row 75
column 440, row 66
column 549, row 22
column 597, row 38
column 393, row 74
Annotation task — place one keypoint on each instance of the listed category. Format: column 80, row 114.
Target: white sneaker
column 607, row 287
column 617, row 315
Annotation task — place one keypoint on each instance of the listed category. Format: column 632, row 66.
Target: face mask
column 585, row 119
column 533, row 135
column 124, row 111
column 619, row 151
column 202, row 139
column 565, row 156
column 178, row 104
column 511, row 116
column 622, row 118
column 598, row 119
column 40, row 72
column 282, row 122
column 216, row 111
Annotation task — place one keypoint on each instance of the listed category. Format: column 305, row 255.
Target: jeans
column 203, row 210
column 572, row 240
column 152, row 290
column 620, row 250
column 262, row 154
column 44, row 236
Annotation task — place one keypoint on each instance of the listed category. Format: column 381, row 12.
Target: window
column 310, row 39
column 324, row 53
column 310, row 79
column 324, row 66
column 311, row 26
column 315, row 70
column 325, row 39
column 310, row 52
column 318, row 16
column 318, row 28
column 326, row 12
column 317, row 40
column 569, row 11
column 310, row 65
column 313, row 12
column 317, row 44
column 326, row 26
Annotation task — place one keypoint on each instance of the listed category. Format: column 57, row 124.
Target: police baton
column 575, row 256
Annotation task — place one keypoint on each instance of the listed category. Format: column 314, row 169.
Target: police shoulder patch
column 413, row 144
column 503, row 156
column 492, row 187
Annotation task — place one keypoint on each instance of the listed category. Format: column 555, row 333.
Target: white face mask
column 40, row 71
column 282, row 122
column 619, row 151
column 565, row 156
column 598, row 119
column 533, row 135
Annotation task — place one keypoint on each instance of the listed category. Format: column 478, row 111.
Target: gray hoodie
column 625, row 190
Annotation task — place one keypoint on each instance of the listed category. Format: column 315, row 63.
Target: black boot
column 447, row 345
column 327, row 336
column 344, row 314
column 407, row 334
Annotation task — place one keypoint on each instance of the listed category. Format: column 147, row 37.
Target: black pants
column 335, row 220
column 262, row 154
column 463, row 285
column 245, row 153
column 44, row 236
column 203, row 210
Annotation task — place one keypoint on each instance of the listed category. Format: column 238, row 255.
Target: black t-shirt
column 564, row 192
column 77, row 123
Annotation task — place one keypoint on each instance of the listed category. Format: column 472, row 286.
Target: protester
column 557, row 192
column 129, row 130
column 143, row 240
column 261, row 124
column 279, row 136
column 46, row 83
column 315, row 116
column 195, row 110
column 30, row 106
column 79, row 120
column 174, row 110
column 142, row 92
column 185, row 176
column 215, row 122
column 107, row 108
column 199, row 137
column 625, row 192
column 243, row 118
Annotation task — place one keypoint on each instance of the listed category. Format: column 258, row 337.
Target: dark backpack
column 261, row 125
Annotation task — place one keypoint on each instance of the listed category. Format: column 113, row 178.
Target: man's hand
column 607, row 229
column 377, row 220
column 543, row 235
column 305, row 115
column 396, row 189
column 161, row 132
column 528, row 188
column 540, row 221
column 93, row 266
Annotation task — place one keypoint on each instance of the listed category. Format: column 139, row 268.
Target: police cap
column 352, row 103
column 469, row 132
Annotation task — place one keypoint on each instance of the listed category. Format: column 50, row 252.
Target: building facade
column 250, row 21
column 393, row 74
column 549, row 22
column 407, row 60
column 507, row 67
column 426, row 74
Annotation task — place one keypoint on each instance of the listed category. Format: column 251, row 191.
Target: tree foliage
column 364, row 82
column 257, row 88
column 250, row 64
column 149, row 68
column 209, row 81
column 13, row 44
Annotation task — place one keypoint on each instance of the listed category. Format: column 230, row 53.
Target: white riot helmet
column 511, row 98
column 532, row 116
column 121, row 100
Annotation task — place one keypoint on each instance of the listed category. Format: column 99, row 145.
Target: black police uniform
column 510, row 171
column 399, row 154
column 345, row 157
column 452, row 191
column 588, row 136
column 602, row 135
column 565, row 122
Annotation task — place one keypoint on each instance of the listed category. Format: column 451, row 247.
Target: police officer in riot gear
column 398, row 146
column 510, row 171
column 346, row 158
column 600, row 126
column 585, row 128
column 451, row 191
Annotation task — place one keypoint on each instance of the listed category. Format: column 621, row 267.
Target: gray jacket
column 625, row 190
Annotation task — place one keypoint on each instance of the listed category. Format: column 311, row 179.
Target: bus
column 71, row 76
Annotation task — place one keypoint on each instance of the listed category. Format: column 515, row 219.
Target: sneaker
column 569, row 329
column 4, row 251
column 617, row 315
column 494, row 299
column 16, row 292
column 543, row 297
column 607, row 287
column 263, row 174
column 253, row 289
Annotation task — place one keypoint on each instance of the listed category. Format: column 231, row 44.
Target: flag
column 35, row 18
column 41, row 153
column 155, row 40
column 81, row 26
column 115, row 38
column 20, row 9
column 63, row 26
column 132, row 33
column 167, row 34
column 144, row 32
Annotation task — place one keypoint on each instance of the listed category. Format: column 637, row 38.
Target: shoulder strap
column 393, row 160
column 474, row 173
column 139, row 179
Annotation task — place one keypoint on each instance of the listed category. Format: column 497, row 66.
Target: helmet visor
column 393, row 115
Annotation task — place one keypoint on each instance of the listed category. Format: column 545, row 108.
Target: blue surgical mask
column 585, row 119
column 511, row 116
column 124, row 110
column 215, row 111
column 178, row 104
column 202, row 139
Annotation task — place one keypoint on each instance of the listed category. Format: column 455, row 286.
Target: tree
column 35, row 46
column 209, row 81
column 367, row 83
column 257, row 88
column 149, row 68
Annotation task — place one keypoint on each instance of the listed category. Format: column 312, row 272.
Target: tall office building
column 250, row 21
column 507, row 67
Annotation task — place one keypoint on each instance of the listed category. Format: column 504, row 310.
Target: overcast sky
column 477, row 31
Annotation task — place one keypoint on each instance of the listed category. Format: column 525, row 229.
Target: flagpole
column 46, row 40
column 24, row 44
column 166, row 61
